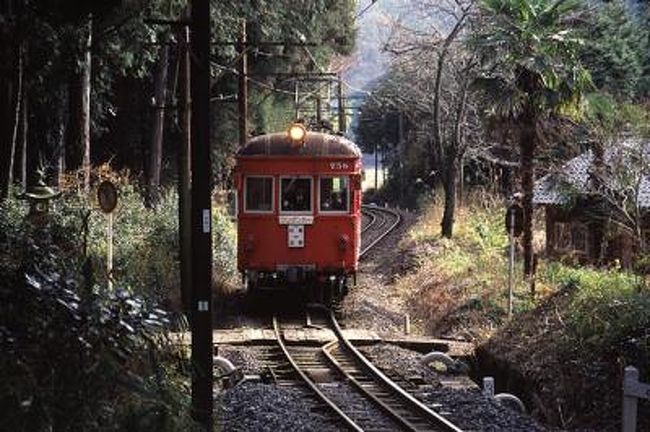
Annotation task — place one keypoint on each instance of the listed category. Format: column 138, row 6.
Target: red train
column 298, row 211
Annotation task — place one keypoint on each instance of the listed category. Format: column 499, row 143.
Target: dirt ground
column 373, row 303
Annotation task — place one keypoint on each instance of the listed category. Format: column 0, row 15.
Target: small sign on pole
column 515, row 219
column 107, row 198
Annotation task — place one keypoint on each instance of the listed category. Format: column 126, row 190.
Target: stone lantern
column 38, row 197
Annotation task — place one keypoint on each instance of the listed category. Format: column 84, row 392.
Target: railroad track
column 379, row 223
column 347, row 385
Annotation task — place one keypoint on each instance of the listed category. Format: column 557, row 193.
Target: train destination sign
column 296, row 220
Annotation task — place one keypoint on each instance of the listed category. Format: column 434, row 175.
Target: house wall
column 574, row 217
column 605, row 242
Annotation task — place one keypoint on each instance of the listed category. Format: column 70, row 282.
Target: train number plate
column 296, row 236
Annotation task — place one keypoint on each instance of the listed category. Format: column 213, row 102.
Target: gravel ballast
column 263, row 407
column 373, row 305
column 471, row 411
column 247, row 359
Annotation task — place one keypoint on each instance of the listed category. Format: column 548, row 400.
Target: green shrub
column 224, row 246
column 146, row 257
column 74, row 355
column 607, row 305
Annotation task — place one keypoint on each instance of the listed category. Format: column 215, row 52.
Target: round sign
column 515, row 219
column 107, row 196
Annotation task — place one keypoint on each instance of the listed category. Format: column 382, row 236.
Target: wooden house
column 596, row 205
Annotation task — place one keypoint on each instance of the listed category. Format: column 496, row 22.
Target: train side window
column 295, row 194
column 334, row 194
column 259, row 194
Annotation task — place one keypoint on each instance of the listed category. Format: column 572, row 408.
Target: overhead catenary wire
column 360, row 14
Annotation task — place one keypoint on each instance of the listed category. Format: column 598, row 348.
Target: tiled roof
column 574, row 176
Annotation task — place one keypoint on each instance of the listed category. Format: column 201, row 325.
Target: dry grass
column 460, row 286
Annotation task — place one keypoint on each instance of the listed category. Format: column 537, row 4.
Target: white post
column 511, row 261
column 109, row 257
column 407, row 324
column 488, row 387
column 630, row 401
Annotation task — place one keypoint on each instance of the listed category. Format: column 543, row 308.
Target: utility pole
column 383, row 164
column 296, row 100
column 201, row 306
column 319, row 115
column 376, row 166
column 342, row 125
column 400, row 143
column 243, row 85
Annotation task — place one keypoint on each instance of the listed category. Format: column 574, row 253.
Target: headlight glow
column 297, row 133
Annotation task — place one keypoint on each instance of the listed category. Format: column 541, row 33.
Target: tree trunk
column 449, row 187
column 85, row 104
column 454, row 154
column 73, row 150
column 77, row 140
column 16, row 117
column 23, row 145
column 160, row 99
column 184, row 199
column 527, row 145
column 437, row 134
column 459, row 141
column 7, row 58
column 61, row 123
column 7, row 95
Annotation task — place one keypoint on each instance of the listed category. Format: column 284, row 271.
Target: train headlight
column 297, row 133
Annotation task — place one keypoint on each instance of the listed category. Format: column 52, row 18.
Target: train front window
column 259, row 194
column 295, row 194
column 334, row 194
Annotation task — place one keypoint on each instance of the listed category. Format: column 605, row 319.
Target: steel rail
column 433, row 416
column 406, row 425
column 398, row 219
column 372, row 221
column 346, row 419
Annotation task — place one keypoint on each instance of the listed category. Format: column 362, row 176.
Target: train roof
column 316, row 144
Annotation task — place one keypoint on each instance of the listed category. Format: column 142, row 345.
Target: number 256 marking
column 338, row 166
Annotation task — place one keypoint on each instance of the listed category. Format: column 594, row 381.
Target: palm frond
column 506, row 100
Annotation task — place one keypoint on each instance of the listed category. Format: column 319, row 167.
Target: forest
column 479, row 98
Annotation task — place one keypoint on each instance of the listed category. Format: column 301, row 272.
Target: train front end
column 299, row 212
